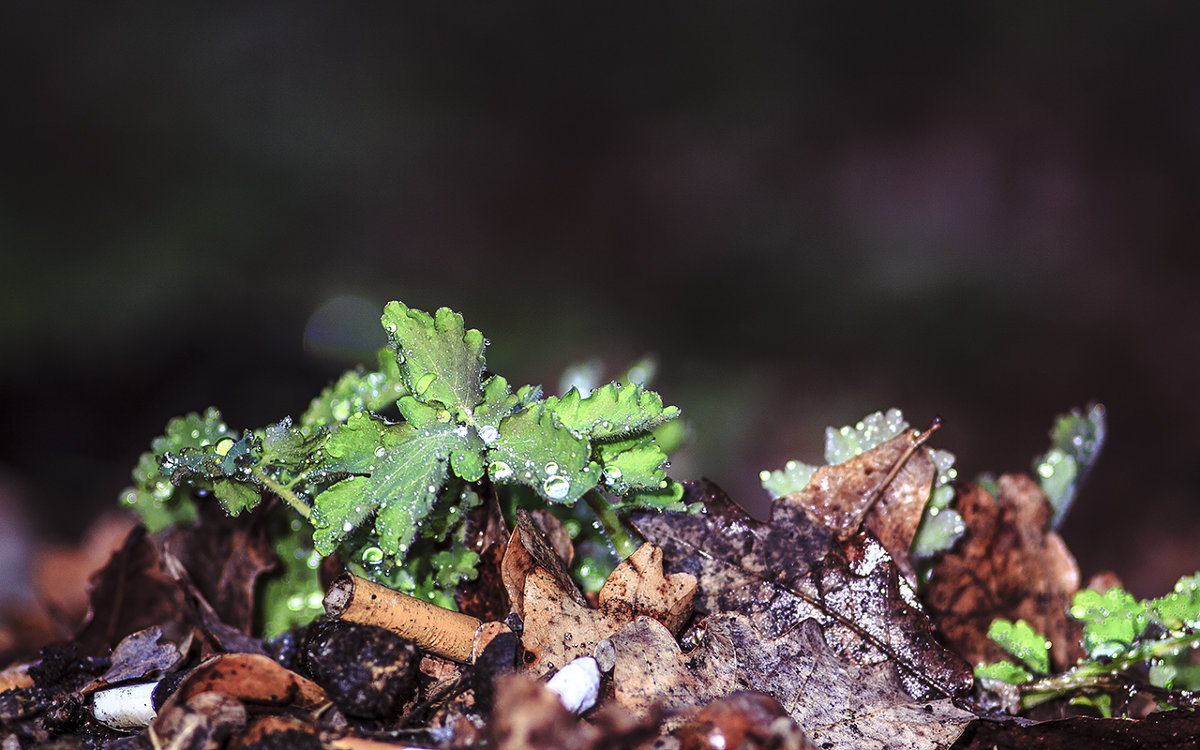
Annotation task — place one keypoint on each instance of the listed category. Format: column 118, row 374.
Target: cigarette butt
column 437, row 629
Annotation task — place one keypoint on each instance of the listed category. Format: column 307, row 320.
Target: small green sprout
column 1122, row 637
column 390, row 493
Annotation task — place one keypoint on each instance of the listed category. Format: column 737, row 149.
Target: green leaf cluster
column 1121, row 635
column 384, row 465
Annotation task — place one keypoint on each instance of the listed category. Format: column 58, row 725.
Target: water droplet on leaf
column 556, row 487
column 500, row 471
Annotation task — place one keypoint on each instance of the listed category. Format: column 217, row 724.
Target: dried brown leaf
column 837, row 703
column 558, row 628
column 1008, row 564
column 530, row 550
column 790, row 569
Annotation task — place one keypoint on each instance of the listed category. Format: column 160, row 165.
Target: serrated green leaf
column 633, row 462
column 236, row 496
column 440, row 360
column 1179, row 609
column 939, row 529
column 399, row 472
column 793, row 477
column 1004, row 671
column 158, row 503
column 499, row 402
column 873, row 430
column 1023, row 642
column 534, row 449
column 660, row 498
column 356, row 390
column 1111, row 621
column 285, row 444
column 611, row 411
column 1075, row 442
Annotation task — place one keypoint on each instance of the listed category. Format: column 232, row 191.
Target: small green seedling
column 1122, row 636
column 385, row 465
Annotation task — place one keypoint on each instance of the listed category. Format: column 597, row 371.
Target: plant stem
column 624, row 542
column 284, row 493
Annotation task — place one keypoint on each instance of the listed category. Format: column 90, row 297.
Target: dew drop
column 611, row 474
column 224, row 446
column 500, row 471
column 488, row 434
column 556, row 487
column 551, row 469
column 380, row 452
column 372, row 555
column 347, row 527
column 424, row 382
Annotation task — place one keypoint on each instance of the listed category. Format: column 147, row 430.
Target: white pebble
column 577, row 684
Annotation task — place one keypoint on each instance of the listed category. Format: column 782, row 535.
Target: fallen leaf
column 560, row 625
column 253, row 679
column 884, row 489
column 203, row 722
column 130, row 593
column 838, row 704
column 792, row 568
column 1008, row 564
column 139, row 655
column 529, row 550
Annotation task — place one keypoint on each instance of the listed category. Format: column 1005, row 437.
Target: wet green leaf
column 1023, row 642
column 440, row 360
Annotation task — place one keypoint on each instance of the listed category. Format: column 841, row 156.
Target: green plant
column 1145, row 645
column 385, row 465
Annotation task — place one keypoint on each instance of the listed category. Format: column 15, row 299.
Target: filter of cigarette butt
column 437, row 629
column 125, row 707
column 577, row 684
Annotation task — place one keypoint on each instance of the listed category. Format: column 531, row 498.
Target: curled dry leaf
column 792, row 568
column 560, row 625
column 884, row 489
column 253, row 679
column 138, row 655
column 1008, row 564
column 837, row 703
column 530, row 550
column 202, row 722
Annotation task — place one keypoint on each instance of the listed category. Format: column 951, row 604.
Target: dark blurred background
column 979, row 211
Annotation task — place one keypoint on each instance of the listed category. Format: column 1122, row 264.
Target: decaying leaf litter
column 849, row 618
column 804, row 630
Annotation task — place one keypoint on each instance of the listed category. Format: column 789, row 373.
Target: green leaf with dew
column 1075, row 442
column 440, row 360
column 1022, row 641
column 1112, row 621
